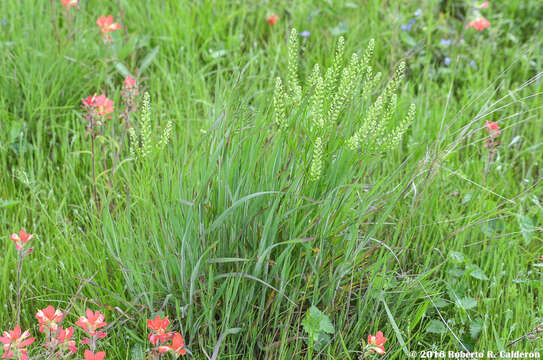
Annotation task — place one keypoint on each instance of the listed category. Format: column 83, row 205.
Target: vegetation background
column 430, row 243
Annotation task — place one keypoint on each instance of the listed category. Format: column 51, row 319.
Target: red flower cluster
column 15, row 342
column 100, row 105
column 89, row 355
column 479, row 24
column 90, row 324
column 21, row 239
column 67, row 4
column 106, row 25
column 376, row 342
column 159, row 335
column 493, row 129
column 272, row 19
column 49, row 319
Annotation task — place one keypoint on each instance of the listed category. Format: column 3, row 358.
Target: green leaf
column 137, row 353
column 436, row 327
column 341, row 28
column 477, row 273
column 8, row 203
column 456, row 256
column 317, row 324
column 475, row 328
column 148, row 59
column 122, row 69
column 466, row 303
column 439, row 303
column 527, row 227
column 456, row 272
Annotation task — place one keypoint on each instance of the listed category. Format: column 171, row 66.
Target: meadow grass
column 222, row 230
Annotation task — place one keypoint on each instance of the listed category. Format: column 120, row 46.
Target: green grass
column 221, row 229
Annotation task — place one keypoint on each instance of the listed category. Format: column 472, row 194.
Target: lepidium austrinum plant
column 59, row 342
column 321, row 107
column 142, row 144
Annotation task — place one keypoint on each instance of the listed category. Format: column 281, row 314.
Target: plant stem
column 95, row 193
column 19, row 271
column 117, row 155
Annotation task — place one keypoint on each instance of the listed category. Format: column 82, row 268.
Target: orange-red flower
column 480, row 24
column 129, row 82
column 273, row 19
column 101, row 105
column 493, row 129
column 376, row 342
column 64, row 338
column 106, row 24
column 92, row 322
column 49, row 318
column 69, row 3
column 15, row 342
column 159, row 328
column 89, row 355
column 177, row 346
column 21, row 239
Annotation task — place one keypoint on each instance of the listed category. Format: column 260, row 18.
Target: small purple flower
column 406, row 27
column 305, row 33
column 473, row 65
column 418, row 12
column 445, row 42
column 447, row 61
column 4, row 22
column 411, row 21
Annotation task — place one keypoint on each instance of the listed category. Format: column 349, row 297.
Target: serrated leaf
column 467, row 198
column 316, row 323
column 527, row 227
column 436, row 327
column 439, row 303
column 456, row 272
column 466, row 303
column 475, row 328
column 478, row 273
column 341, row 28
column 456, row 256
column 137, row 353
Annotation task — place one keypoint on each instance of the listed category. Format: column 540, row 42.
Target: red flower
column 273, row 19
column 64, row 338
column 129, row 82
column 493, row 129
column 15, row 343
column 106, row 24
column 89, row 355
column 69, row 3
column 376, row 342
column 49, row 318
column 159, row 328
column 103, row 105
column 21, row 239
column 480, row 24
column 92, row 323
column 177, row 346
column 100, row 104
